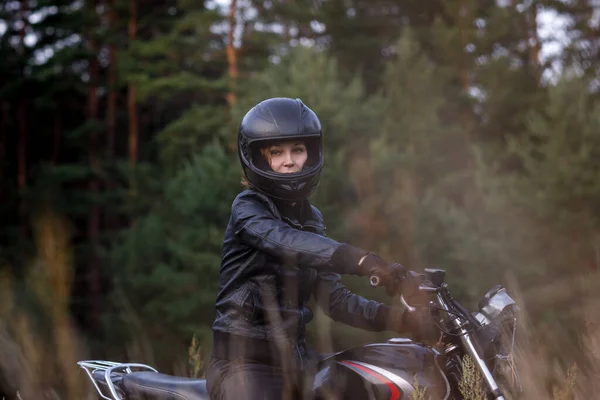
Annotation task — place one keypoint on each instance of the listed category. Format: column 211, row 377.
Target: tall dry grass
column 554, row 361
column 39, row 346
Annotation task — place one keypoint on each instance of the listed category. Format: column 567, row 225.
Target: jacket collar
column 301, row 214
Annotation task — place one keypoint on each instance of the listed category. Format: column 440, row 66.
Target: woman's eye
column 275, row 152
column 299, row 149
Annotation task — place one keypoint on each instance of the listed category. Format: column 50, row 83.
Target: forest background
column 452, row 141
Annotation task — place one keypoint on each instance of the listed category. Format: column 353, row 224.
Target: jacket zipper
column 298, row 340
column 301, row 227
column 300, row 357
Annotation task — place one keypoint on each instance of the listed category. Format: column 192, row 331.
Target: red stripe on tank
column 393, row 388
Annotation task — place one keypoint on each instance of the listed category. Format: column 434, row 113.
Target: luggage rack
column 102, row 372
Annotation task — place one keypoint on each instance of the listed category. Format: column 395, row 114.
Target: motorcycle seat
column 156, row 386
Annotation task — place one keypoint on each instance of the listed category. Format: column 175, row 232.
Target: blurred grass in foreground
column 39, row 346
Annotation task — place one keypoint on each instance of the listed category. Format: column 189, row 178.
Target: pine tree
column 166, row 265
column 559, row 185
column 179, row 72
column 183, row 179
column 420, row 161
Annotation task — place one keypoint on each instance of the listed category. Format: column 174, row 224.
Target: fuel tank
column 382, row 371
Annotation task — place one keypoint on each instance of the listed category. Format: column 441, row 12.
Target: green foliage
column 187, row 135
column 170, row 257
column 420, row 161
column 179, row 73
column 559, row 156
column 554, row 188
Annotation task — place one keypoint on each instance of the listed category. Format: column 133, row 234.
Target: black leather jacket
column 276, row 257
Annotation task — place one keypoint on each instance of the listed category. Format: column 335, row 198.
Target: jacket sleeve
column 340, row 304
column 257, row 226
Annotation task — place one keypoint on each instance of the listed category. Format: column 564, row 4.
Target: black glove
column 409, row 283
column 390, row 274
column 420, row 323
column 396, row 278
column 372, row 264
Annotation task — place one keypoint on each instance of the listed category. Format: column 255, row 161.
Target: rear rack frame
column 108, row 368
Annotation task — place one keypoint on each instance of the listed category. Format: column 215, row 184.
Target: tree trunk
column 232, row 57
column 94, row 216
column 534, row 44
column 22, row 145
column 131, row 106
column 22, row 110
column 463, row 14
column 111, row 112
column 232, row 67
column 3, row 137
column 57, row 135
column 467, row 119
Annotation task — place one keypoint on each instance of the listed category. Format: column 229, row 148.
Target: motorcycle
column 398, row 369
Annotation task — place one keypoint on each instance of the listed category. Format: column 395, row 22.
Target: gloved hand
column 420, row 323
column 394, row 277
column 409, row 283
column 390, row 274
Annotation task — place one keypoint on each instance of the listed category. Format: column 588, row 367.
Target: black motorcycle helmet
column 272, row 121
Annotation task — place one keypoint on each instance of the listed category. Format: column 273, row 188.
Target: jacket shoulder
column 252, row 201
column 317, row 215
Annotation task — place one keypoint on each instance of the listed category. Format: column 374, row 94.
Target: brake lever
column 405, row 304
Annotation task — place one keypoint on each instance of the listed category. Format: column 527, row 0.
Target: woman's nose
column 288, row 162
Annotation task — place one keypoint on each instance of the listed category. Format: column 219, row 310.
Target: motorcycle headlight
column 498, row 315
column 495, row 302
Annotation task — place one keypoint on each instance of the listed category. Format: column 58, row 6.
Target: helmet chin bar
column 287, row 187
column 294, row 185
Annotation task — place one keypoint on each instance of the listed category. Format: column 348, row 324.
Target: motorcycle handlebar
column 376, row 281
column 465, row 336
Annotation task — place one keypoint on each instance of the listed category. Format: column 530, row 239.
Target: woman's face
column 286, row 157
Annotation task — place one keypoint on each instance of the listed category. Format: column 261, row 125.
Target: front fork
column 469, row 346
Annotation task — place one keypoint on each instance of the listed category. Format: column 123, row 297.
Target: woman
column 276, row 256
